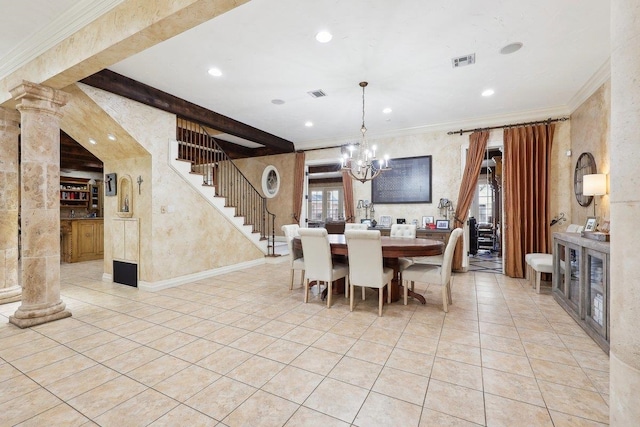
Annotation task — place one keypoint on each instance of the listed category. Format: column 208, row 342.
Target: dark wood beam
column 132, row 89
column 74, row 156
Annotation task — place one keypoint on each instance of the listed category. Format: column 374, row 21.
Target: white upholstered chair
column 355, row 226
column 318, row 264
column 296, row 260
column 406, row 231
column 366, row 267
column 434, row 274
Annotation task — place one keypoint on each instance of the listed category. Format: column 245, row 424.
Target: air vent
column 464, row 60
column 317, row 93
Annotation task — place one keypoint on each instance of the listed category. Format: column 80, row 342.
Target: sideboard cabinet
column 581, row 283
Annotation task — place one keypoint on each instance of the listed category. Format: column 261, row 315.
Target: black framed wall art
column 408, row 181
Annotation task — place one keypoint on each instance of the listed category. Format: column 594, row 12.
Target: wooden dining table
column 393, row 248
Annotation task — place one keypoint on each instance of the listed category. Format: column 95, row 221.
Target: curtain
column 298, row 185
column 527, row 158
column 475, row 155
column 347, row 189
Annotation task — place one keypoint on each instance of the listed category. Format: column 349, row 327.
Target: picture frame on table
column 442, row 224
column 605, row 226
column 366, row 221
column 591, row 224
column 385, row 221
column 426, row 220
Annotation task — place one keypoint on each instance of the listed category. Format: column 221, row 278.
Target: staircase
column 200, row 160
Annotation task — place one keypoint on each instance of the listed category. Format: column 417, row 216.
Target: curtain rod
column 539, row 122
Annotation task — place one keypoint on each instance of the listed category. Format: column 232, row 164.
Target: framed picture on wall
column 442, row 224
column 591, row 223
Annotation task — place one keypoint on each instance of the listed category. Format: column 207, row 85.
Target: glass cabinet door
column 596, row 289
column 573, row 267
column 559, row 268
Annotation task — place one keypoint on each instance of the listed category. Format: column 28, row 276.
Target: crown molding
column 597, row 79
column 478, row 122
column 69, row 22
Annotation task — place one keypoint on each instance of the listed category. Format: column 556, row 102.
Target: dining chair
column 366, row 267
column 318, row 264
column 355, row 226
column 406, row 231
column 296, row 260
column 434, row 274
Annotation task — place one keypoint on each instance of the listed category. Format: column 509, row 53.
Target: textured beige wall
column 282, row 204
column 590, row 133
column 192, row 236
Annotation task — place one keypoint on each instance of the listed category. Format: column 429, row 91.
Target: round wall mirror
column 586, row 165
column 270, row 181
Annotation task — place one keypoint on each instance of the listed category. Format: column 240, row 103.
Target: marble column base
column 26, row 317
column 12, row 294
column 625, row 410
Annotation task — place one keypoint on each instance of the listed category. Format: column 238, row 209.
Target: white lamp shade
column 594, row 184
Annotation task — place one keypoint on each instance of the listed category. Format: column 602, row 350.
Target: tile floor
column 243, row 350
column 486, row 261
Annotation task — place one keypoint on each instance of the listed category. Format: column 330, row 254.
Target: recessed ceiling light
column 308, row 124
column 111, row 137
column 510, row 48
column 324, row 36
column 277, row 101
column 488, row 92
column 387, row 110
column 215, row 72
column 92, row 141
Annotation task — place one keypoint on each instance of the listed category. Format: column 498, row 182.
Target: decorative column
column 625, row 210
column 10, row 291
column 40, row 107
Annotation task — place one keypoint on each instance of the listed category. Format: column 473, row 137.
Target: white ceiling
column 403, row 48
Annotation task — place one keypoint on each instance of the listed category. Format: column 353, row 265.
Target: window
column 485, row 201
column 326, row 203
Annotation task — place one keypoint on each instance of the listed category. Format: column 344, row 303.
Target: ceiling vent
column 464, row 60
column 317, row 93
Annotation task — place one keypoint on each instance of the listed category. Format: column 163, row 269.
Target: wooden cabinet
column 95, row 198
column 423, row 233
column 74, row 192
column 581, row 283
column 82, row 239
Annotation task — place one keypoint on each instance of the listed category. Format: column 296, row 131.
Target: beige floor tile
column 132, row 327
column 64, row 368
column 512, row 386
column 503, row 345
column 7, row 371
column 261, row 409
column 337, row 399
column 293, row 384
column 356, row 372
column 381, row 410
column 106, row 396
column 92, row 341
column 220, row 398
column 562, row 374
column 417, row 344
column 186, row 383
column 349, row 328
column 566, row 420
column 305, row 417
column 459, row 352
column 303, row 335
column 597, row 360
column 140, row 410
column 460, row 402
column 282, row 351
column 426, row 330
column 112, row 349
column 61, row 415
column 275, row 328
column 600, row 379
column 499, row 330
column 27, row 406
column 462, row 323
column 579, row 343
column 256, row 371
column 549, row 353
column 317, row 360
column 158, row 370
column 133, row 359
column 382, row 336
column 432, row 418
column 503, row 412
column 43, row 358
column 252, row 342
column 544, row 337
column 82, row 382
column 506, row 362
column 410, row 361
column 250, row 322
column 196, row 350
column 375, row 353
column 402, row 385
column 206, row 328
column 574, row 401
column 185, row 416
column 224, row 360
column 457, row 373
column 150, row 334
column 16, row 386
column 460, row 336
column 171, row 342
column 335, row 343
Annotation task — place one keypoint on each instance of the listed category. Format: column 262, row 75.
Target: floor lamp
column 594, row 185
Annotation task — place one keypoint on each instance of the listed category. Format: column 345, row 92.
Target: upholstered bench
column 538, row 263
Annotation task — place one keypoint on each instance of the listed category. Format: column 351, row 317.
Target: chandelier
column 361, row 162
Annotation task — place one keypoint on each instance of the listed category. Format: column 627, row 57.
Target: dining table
column 393, row 248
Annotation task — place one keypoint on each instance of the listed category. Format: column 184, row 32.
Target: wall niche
column 125, row 197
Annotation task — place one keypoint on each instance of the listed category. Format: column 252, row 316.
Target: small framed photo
column 385, row 221
column 426, row 220
column 605, row 226
column 366, row 221
column 591, row 224
column 442, row 224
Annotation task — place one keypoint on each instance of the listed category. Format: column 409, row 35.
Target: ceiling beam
column 132, row 89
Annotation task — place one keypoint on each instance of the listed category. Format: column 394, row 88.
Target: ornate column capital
column 32, row 96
